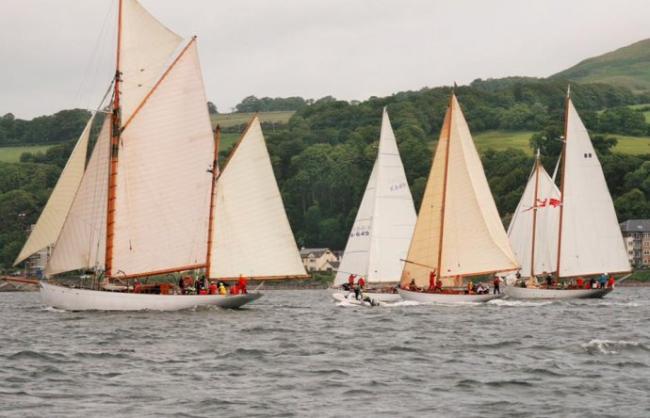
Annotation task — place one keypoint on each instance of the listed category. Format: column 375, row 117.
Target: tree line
column 323, row 157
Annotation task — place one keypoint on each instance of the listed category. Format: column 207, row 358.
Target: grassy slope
column 501, row 140
column 12, row 154
column 227, row 120
column 628, row 66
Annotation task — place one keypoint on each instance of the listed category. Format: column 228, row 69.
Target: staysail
column 49, row 224
column 458, row 230
column 541, row 195
column 252, row 235
column 81, row 242
column 384, row 223
column 590, row 238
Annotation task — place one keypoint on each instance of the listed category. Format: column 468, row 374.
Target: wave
column 598, row 346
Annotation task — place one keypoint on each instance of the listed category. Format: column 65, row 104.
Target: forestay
column 384, row 223
column 469, row 229
column 520, row 231
column 49, row 224
column 82, row 241
column 252, row 235
column 591, row 240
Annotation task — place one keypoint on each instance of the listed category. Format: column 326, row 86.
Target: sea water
column 298, row 353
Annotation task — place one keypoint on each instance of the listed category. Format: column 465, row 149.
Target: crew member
column 495, row 283
column 432, row 280
column 351, row 280
column 242, row 283
column 362, row 283
column 610, row 281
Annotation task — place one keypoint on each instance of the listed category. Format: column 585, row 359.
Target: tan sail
column 458, row 230
column 49, row 224
column 81, row 242
column 146, row 48
column 252, row 235
column 163, row 187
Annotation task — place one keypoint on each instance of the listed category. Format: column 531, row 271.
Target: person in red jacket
column 432, row 280
column 611, row 281
column 351, row 280
column 242, row 283
column 580, row 282
column 362, row 283
column 496, row 283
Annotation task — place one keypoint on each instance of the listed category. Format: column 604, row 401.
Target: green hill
column 628, row 67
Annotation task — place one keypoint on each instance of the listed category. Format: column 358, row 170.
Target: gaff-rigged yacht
column 458, row 232
column 383, row 226
column 588, row 240
column 148, row 202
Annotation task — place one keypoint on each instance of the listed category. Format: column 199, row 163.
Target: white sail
column 591, row 240
column 146, row 47
column 252, row 235
column 384, row 224
column 473, row 238
column 546, row 229
column 163, row 187
column 82, row 241
column 49, row 224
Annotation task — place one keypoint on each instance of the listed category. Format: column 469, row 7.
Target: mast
column 563, row 158
column 115, row 145
column 444, row 184
column 535, row 196
column 213, row 196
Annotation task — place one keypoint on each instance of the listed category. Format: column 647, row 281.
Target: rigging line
column 87, row 78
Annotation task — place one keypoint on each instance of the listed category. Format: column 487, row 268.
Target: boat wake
column 516, row 303
column 402, row 303
column 52, row 309
column 598, row 346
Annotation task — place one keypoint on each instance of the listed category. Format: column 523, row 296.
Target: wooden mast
column 115, row 146
column 213, row 196
column 535, row 197
column 444, row 185
column 563, row 157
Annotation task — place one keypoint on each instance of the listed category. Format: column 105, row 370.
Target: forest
column 323, row 156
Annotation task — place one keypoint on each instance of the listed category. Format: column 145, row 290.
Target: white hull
column 539, row 293
column 72, row 299
column 381, row 297
column 423, row 297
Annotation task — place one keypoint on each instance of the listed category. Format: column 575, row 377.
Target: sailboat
column 458, row 232
column 533, row 228
column 383, row 226
column 588, row 238
column 147, row 203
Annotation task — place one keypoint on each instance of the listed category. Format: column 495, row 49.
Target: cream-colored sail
column 473, row 238
column 591, row 240
column 384, row 224
column 252, row 235
column 146, row 47
column 49, row 224
column 163, row 186
column 520, row 231
column 81, row 242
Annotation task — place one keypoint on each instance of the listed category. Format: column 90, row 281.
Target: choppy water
column 299, row 354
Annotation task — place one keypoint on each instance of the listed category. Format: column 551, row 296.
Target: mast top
column 568, row 91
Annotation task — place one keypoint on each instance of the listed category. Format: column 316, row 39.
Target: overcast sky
column 58, row 54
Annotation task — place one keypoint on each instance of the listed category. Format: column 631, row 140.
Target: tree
column 212, row 109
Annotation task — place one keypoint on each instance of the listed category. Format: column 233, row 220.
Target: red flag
column 555, row 202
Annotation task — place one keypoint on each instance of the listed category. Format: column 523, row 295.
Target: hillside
column 628, row 67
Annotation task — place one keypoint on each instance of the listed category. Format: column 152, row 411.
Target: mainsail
column 384, row 223
column 539, row 207
column 458, row 230
column 49, row 224
column 156, row 198
column 590, row 238
column 252, row 235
